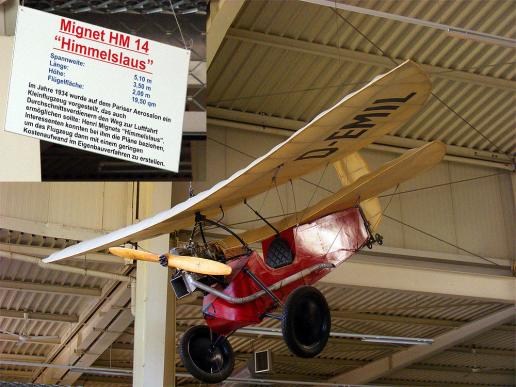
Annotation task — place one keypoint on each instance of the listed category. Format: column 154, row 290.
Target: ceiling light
column 407, row 341
column 480, row 37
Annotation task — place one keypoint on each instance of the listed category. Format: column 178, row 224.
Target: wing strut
column 261, row 217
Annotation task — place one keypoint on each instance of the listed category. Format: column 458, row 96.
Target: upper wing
column 369, row 185
column 357, row 120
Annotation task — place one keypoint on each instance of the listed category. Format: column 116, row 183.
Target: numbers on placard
column 62, row 93
column 141, row 91
column 142, row 46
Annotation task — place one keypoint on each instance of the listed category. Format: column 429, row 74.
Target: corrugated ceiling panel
column 447, row 377
column 459, row 359
column 245, row 69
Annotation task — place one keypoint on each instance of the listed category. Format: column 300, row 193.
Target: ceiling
column 281, row 63
column 487, row 359
column 122, row 6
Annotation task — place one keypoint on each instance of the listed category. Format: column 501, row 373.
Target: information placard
column 97, row 89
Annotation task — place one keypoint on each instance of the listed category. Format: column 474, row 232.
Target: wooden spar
column 350, row 169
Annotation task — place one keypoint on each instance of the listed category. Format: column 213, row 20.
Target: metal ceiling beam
column 451, row 30
column 459, row 369
column 122, row 346
column 97, row 380
column 385, row 366
column 425, row 383
column 285, row 127
column 306, row 362
column 222, row 14
column 357, row 316
column 485, row 351
column 65, row 268
column 5, row 337
column 53, row 230
column 346, row 342
column 95, row 370
column 41, row 251
column 267, row 331
column 16, row 356
column 49, row 288
column 94, row 337
column 15, row 374
column 354, row 272
column 19, row 314
column 274, row 379
column 362, row 57
column 416, row 256
column 72, row 334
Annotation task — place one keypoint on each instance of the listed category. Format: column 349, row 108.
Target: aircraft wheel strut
column 206, row 355
column 306, row 322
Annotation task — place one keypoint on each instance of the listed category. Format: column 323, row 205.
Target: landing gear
column 306, row 322
column 372, row 240
column 378, row 239
column 206, row 355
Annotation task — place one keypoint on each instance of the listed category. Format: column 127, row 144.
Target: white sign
column 97, row 89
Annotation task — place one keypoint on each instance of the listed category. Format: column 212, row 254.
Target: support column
column 222, row 15
column 19, row 155
column 513, row 181
column 154, row 336
column 8, row 11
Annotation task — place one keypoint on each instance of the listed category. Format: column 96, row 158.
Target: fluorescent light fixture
column 188, row 11
column 82, row 9
column 89, row 370
column 480, row 37
column 407, row 341
column 118, row 10
column 154, row 10
column 367, row 338
column 453, row 31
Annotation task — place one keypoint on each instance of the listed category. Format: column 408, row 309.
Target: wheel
column 206, row 355
column 306, row 322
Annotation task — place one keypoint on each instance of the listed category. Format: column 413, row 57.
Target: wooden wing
column 367, row 186
column 357, row 120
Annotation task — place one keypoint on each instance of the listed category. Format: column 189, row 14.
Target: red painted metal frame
column 330, row 239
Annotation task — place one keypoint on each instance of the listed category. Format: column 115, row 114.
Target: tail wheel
column 306, row 322
column 206, row 355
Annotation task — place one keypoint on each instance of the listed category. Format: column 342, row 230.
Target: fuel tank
column 329, row 239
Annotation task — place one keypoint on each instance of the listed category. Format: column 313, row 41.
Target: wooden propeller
column 187, row 263
column 370, row 185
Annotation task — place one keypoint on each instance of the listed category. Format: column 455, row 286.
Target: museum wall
column 92, row 206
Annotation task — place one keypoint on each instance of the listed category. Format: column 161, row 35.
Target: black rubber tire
column 306, row 322
column 194, row 349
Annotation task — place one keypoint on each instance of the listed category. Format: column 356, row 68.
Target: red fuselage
column 329, row 239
